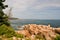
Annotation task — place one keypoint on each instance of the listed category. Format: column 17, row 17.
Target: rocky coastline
column 44, row 31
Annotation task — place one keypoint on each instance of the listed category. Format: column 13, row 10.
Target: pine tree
column 3, row 16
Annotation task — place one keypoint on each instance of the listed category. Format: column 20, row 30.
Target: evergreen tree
column 3, row 16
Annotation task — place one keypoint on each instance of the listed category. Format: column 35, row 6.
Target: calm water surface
column 53, row 23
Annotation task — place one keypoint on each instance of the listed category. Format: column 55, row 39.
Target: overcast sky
column 35, row 9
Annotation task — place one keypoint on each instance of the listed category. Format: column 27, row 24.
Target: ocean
column 21, row 22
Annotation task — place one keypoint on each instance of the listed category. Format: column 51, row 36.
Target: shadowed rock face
column 43, row 30
column 57, row 30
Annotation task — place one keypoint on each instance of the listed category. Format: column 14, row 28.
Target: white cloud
column 23, row 7
column 22, row 4
column 47, row 3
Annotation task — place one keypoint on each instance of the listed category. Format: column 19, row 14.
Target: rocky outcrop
column 24, row 32
column 57, row 30
column 44, row 31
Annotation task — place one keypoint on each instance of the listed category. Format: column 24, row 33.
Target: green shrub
column 7, row 31
column 27, row 38
column 19, row 35
column 10, row 38
column 57, row 37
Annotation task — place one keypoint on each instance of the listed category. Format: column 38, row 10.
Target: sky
column 34, row 9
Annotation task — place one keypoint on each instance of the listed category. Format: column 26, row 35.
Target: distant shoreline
column 13, row 18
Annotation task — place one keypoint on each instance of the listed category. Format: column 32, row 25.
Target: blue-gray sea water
column 21, row 22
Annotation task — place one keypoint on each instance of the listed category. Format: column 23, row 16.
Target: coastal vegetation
column 29, row 32
column 3, row 16
column 57, row 37
column 8, row 32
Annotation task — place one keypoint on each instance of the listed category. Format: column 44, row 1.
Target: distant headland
column 12, row 18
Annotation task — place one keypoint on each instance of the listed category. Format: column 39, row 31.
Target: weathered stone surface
column 57, row 30
column 42, row 30
column 24, row 32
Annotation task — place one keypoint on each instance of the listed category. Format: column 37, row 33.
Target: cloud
column 34, row 8
column 23, row 5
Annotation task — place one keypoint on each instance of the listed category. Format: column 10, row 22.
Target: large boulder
column 57, row 30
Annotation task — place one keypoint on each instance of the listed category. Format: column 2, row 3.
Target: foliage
column 3, row 16
column 57, row 37
column 19, row 35
column 27, row 38
column 6, row 31
column 10, row 38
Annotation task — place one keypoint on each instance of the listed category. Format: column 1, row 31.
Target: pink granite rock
column 33, row 29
